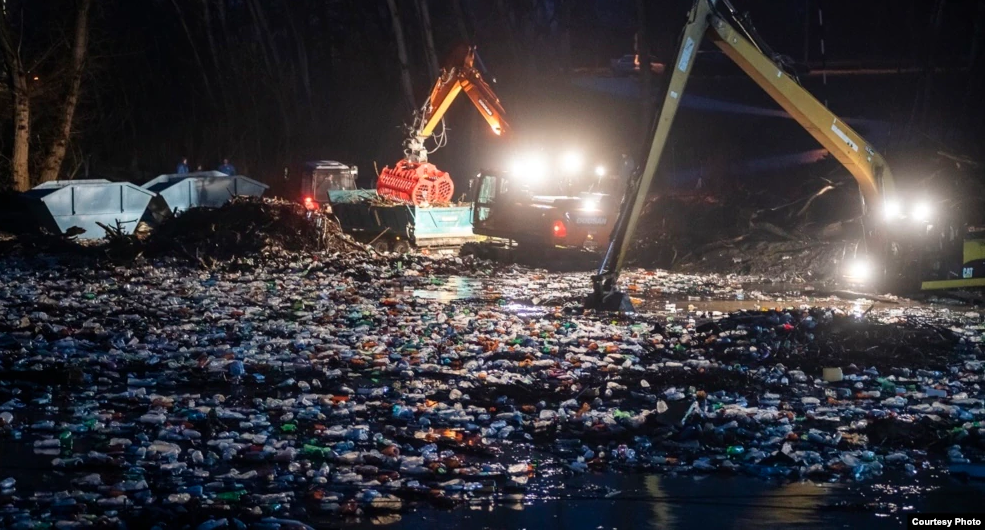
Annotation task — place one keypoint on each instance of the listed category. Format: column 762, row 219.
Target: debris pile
column 740, row 233
column 247, row 227
column 327, row 388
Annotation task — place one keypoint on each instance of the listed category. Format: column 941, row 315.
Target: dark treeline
column 268, row 83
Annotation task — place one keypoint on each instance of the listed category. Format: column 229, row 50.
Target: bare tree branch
column 195, row 50
column 56, row 154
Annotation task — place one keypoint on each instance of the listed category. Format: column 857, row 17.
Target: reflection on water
column 732, row 503
column 457, row 288
column 551, row 293
column 793, row 503
column 642, row 501
column 663, row 518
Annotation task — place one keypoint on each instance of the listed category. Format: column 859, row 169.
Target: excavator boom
column 726, row 31
column 449, row 85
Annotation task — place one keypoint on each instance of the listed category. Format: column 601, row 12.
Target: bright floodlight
column 600, row 171
column 859, row 270
column 589, row 204
column 531, row 166
column 571, row 162
column 921, row 212
column 517, row 167
column 891, row 210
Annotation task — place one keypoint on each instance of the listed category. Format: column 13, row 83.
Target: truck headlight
column 891, row 210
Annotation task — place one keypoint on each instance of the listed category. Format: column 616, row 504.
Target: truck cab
column 320, row 178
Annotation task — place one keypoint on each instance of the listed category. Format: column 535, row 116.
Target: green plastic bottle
column 66, row 440
column 735, row 450
column 231, row 495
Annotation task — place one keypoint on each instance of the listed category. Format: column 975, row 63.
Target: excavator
column 502, row 207
column 413, row 179
column 735, row 36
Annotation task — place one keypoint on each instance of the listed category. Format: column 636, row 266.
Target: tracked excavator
column 734, row 35
column 413, row 179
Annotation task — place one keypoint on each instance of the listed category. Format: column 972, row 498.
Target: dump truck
column 381, row 222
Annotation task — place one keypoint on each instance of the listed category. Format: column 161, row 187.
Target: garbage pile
column 247, row 227
column 320, row 388
column 738, row 233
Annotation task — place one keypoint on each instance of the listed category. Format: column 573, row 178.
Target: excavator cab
column 505, row 207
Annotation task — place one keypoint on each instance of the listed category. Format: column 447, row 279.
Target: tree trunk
column 302, row 51
column 207, row 15
column 262, row 30
column 402, row 55
column 259, row 32
column 566, row 35
column 429, row 40
column 22, row 132
column 509, row 23
column 643, row 56
column 219, row 68
column 56, row 154
column 195, row 51
column 17, row 83
column 460, row 20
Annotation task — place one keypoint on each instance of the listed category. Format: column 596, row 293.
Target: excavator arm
column 413, row 179
column 717, row 20
column 450, row 83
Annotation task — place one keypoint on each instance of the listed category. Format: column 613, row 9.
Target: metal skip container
column 61, row 205
column 202, row 189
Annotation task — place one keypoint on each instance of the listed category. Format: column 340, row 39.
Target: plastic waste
column 342, row 385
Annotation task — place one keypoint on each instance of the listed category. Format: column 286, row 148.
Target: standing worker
column 227, row 168
column 183, row 166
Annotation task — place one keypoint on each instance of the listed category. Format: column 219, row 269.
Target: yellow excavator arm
column 848, row 147
column 708, row 18
column 463, row 77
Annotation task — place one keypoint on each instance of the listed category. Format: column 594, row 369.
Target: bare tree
column 429, row 40
column 17, row 81
column 16, row 45
column 566, row 35
column 56, row 153
column 460, row 20
column 509, row 22
column 302, row 51
column 195, row 50
column 643, row 58
column 402, row 54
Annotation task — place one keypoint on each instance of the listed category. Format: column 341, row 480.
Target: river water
column 641, row 501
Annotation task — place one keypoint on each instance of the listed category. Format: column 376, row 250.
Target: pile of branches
column 247, row 228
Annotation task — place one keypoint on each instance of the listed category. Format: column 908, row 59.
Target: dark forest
column 268, row 83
